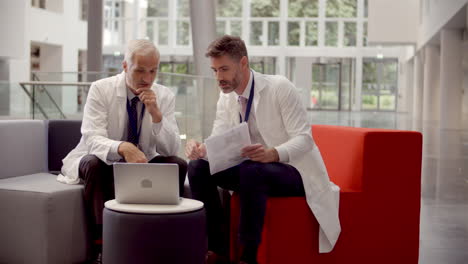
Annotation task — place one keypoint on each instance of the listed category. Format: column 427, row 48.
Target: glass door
column 379, row 84
column 332, row 82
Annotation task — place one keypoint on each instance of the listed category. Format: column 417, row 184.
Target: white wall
column 393, row 22
column 12, row 28
column 435, row 14
column 61, row 28
column 55, row 5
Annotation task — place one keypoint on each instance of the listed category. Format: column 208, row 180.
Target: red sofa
column 379, row 173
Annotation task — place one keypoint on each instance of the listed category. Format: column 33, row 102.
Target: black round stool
column 142, row 233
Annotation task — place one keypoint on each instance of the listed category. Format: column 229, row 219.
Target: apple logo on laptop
column 146, row 183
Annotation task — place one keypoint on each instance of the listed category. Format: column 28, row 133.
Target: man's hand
column 257, row 152
column 131, row 153
column 148, row 97
column 195, row 150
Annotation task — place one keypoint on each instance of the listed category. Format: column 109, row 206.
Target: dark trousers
column 98, row 180
column 255, row 182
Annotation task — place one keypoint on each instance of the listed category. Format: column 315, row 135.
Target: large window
column 157, row 21
column 157, row 8
column 229, row 8
column 229, row 17
column 303, row 8
column 331, row 34
column 266, row 65
column 117, row 25
column 264, row 25
column 364, row 34
column 311, row 34
column 294, row 30
column 349, row 34
column 265, row 8
column 183, row 36
column 167, row 22
column 341, row 8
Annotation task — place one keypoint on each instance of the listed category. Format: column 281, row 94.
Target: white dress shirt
column 255, row 136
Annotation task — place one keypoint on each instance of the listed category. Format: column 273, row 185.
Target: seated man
column 128, row 118
column 282, row 160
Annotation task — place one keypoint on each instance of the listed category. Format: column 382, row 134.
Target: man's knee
column 198, row 164
column 250, row 167
column 90, row 165
column 90, row 161
column 181, row 163
column 252, row 174
column 197, row 168
column 176, row 160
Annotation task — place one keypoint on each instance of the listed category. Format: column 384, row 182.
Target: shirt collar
column 130, row 94
column 246, row 92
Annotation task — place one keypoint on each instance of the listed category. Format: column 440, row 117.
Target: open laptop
column 146, row 183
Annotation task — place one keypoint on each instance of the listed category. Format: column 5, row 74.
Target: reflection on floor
column 444, row 204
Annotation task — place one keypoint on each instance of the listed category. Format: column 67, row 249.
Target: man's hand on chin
column 148, row 97
column 131, row 153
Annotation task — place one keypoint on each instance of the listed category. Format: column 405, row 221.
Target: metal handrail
column 43, row 88
column 43, row 84
column 114, row 73
column 57, row 83
column 34, row 102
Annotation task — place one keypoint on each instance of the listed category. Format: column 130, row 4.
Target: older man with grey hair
column 128, row 118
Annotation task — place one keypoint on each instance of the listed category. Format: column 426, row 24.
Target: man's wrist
column 274, row 156
column 157, row 117
column 123, row 148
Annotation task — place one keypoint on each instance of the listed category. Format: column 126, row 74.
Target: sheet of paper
column 224, row 151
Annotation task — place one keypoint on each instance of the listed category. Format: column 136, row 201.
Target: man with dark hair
column 128, row 118
column 282, row 159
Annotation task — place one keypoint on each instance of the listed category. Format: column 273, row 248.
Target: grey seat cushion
column 42, row 220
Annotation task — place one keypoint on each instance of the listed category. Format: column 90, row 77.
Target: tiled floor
column 444, row 203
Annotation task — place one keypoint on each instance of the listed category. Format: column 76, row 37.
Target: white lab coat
column 282, row 122
column 104, row 121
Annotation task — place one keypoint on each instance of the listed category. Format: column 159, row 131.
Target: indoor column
column 203, row 33
column 431, row 85
column 451, row 77
column 417, row 92
column 95, row 27
column 430, row 126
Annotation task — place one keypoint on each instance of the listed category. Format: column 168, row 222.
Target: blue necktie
column 133, row 122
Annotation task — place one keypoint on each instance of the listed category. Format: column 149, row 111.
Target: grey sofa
column 42, row 220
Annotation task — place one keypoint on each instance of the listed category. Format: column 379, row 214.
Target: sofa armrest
column 368, row 159
column 24, row 147
column 342, row 150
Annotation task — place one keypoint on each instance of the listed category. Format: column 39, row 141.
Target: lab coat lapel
column 121, row 105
